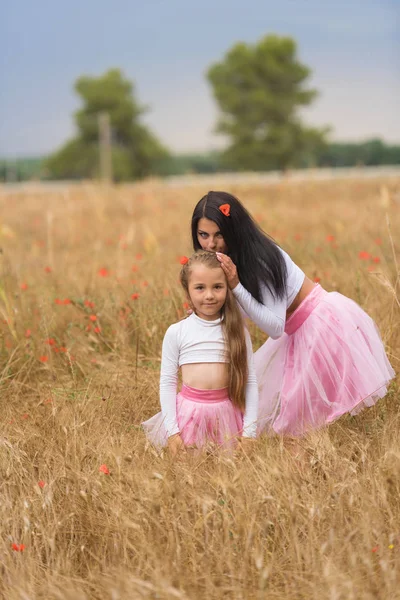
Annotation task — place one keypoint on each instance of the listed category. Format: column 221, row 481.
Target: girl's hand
column 229, row 269
column 175, row 444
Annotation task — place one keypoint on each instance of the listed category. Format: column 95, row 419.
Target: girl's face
column 207, row 291
column 209, row 236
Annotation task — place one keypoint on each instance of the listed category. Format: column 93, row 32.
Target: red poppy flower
column 183, row 260
column 135, row 296
column 93, row 318
column 28, row 333
column 24, row 286
column 330, row 238
column 104, row 469
column 225, row 209
column 363, row 255
column 139, row 256
column 103, row 272
column 18, row 547
column 376, row 260
column 48, row 269
column 43, row 359
column 97, row 329
column 67, row 301
column 50, row 342
column 41, row 483
column 135, row 268
column 378, row 241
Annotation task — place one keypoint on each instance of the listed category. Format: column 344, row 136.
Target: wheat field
column 89, row 284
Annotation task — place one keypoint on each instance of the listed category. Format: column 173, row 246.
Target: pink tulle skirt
column 204, row 417
column 330, row 361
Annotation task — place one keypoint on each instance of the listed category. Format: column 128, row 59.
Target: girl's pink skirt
column 204, row 416
column 330, row 361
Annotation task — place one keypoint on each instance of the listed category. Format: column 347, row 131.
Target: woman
column 324, row 356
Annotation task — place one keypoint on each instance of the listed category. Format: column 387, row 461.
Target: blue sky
column 166, row 46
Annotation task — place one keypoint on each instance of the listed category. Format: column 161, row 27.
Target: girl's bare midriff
column 305, row 289
column 206, row 376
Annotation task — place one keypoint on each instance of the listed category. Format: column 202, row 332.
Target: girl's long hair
column 232, row 327
column 257, row 257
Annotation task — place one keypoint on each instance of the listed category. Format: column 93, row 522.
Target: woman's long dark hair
column 256, row 256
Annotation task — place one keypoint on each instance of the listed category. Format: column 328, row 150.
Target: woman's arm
column 251, row 411
column 269, row 317
column 169, row 380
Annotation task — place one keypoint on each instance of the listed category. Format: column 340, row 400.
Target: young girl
column 218, row 401
column 324, row 356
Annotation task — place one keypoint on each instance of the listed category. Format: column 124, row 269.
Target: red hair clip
column 225, row 209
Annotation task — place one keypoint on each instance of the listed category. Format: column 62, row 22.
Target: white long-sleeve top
column 195, row 340
column 270, row 316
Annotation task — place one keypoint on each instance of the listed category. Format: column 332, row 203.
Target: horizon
column 202, row 152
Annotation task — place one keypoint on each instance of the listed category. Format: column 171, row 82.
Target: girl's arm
column 169, row 380
column 270, row 317
column 251, row 411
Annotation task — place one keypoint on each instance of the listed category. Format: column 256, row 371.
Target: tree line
column 372, row 152
column 259, row 89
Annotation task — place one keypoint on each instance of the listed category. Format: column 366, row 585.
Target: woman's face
column 209, row 236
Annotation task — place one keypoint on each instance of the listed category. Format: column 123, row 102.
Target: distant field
column 88, row 286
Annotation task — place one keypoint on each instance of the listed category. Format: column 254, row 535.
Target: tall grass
column 88, row 510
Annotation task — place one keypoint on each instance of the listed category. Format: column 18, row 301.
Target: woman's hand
column 229, row 269
column 175, row 444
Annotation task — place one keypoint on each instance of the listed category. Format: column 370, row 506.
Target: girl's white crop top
column 195, row 340
column 270, row 316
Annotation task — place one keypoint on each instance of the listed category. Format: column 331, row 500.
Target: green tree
column 259, row 90
column 135, row 150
